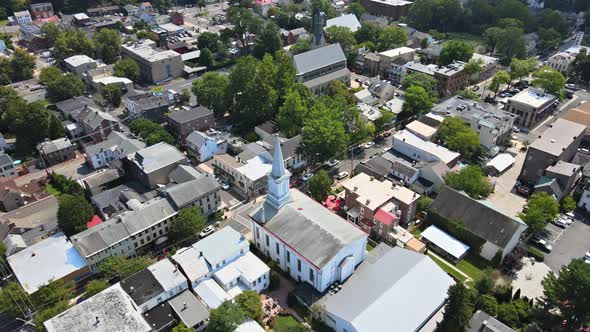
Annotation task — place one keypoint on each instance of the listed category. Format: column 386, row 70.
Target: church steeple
column 278, row 179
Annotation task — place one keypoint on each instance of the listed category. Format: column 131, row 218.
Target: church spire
column 278, row 179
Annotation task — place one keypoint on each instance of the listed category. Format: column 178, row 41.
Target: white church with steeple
column 308, row 241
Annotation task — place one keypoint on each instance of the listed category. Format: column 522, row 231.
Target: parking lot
column 568, row 244
column 505, row 197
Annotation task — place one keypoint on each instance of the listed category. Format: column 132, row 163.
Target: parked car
column 525, row 191
column 542, row 243
column 306, row 177
column 224, row 185
column 207, row 231
column 571, row 86
column 368, row 145
column 341, row 175
column 332, row 162
column 387, row 134
column 475, row 88
column 587, row 257
column 560, row 223
column 515, row 129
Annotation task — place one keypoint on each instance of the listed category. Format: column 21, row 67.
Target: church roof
column 309, row 228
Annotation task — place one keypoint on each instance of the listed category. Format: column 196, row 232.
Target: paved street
column 74, row 169
column 567, row 244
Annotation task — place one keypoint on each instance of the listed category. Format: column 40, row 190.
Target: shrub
column 536, row 254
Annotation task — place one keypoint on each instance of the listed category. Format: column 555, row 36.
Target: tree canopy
column 541, row 209
column 472, row 180
column 249, row 303
column 64, row 87
column 107, row 44
column 151, row 132
column 319, row 185
column 225, row 318
column 417, row 101
column 121, row 267
column 189, row 222
column 73, row 213
column 127, row 67
column 210, row 91
column 457, row 310
column 427, row 82
column 456, row 135
column 454, row 50
column 550, row 80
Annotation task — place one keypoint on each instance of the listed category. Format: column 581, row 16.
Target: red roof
column 94, row 222
column 384, row 217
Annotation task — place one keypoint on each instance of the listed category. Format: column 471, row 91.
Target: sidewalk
column 467, row 278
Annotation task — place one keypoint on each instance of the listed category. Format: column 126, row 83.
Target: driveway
column 505, row 197
column 568, row 244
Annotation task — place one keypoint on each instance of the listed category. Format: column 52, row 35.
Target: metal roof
column 445, row 241
column 188, row 308
column 318, row 58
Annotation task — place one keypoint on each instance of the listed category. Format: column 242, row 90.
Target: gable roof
column 187, row 192
column 391, row 285
column 483, row 322
column 318, row 58
column 190, row 115
column 348, row 21
column 478, row 216
column 116, row 141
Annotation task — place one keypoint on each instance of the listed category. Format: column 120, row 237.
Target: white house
column 115, row 147
column 23, row 17
column 418, row 149
column 203, row 146
column 308, row 241
column 584, row 201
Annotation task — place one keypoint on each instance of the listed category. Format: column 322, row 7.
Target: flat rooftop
column 146, row 51
column 374, row 193
column 398, row 51
column 558, row 137
column 533, row 97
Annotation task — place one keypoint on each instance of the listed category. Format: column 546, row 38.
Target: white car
column 332, row 162
column 224, row 185
column 207, row 231
column 368, row 145
column 587, row 257
column 306, row 177
column 341, row 175
column 560, row 223
column 542, row 243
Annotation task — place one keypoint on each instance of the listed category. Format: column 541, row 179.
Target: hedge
column 535, row 253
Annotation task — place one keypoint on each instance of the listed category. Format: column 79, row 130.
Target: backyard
column 448, row 269
column 287, row 323
column 473, row 265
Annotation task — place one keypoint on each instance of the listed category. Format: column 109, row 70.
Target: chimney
column 184, row 306
column 97, row 321
column 371, row 178
column 262, row 215
column 355, row 188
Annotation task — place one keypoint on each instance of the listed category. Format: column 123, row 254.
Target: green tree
column 513, row 9
column 542, row 208
column 225, row 318
column 49, row 74
column 210, row 90
column 72, row 42
column 417, row 101
column 31, row 126
column 50, row 32
column 94, row 287
column 121, row 267
column 421, row 14
column 249, row 303
column 427, row 82
column 107, row 43
column 181, row 328
column 385, row 121
column 319, row 185
column 391, row 37
column 12, row 300
column 342, row 35
column 473, row 68
column 127, row 67
column 268, row 42
column 357, row 9
column 303, row 44
column 458, row 136
column 565, row 298
column 368, row 32
column 468, row 94
column 324, row 134
column 486, row 283
column 423, row 203
column 64, row 185
column 521, row 68
column 515, row 314
column 550, row 39
column 285, row 76
column 73, row 214
column 48, row 313
column 65, row 87
column 292, row 114
column 206, row 58
column 501, row 77
column 567, row 204
column 7, row 40
column 208, row 40
column 455, row 50
column 471, row 180
column 22, row 65
column 488, row 304
column 457, row 310
column 189, row 222
column 112, row 94
column 52, row 292
column 56, row 128
column 550, row 80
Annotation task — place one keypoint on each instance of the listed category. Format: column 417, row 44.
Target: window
column 267, row 241
column 288, row 256
column 311, row 276
column 277, row 248
column 299, row 265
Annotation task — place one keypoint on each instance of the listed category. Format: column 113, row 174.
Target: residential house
column 155, row 66
column 189, row 310
column 13, row 196
column 290, row 37
column 531, row 106
column 111, row 202
column 483, row 322
column 531, row 41
column 70, row 108
column 204, row 145
column 202, row 192
column 154, row 284
column 387, row 166
column 493, row 125
column 392, row 9
column 246, row 173
column 499, row 234
column 451, row 78
column 286, row 224
column 418, row 149
column 23, row 17
column 346, row 21
column 7, row 167
column 367, row 197
column 117, row 146
column 378, row 92
column 42, row 10
column 187, row 120
column 126, row 234
column 96, row 124
column 292, row 150
column 559, row 179
column 317, row 68
column 152, row 165
column 56, row 152
column 559, row 142
column 51, row 259
column 103, row 11
column 28, row 224
column 146, row 105
column 423, row 131
column 80, row 64
column 490, row 65
column 562, row 62
column 581, row 115
column 370, row 299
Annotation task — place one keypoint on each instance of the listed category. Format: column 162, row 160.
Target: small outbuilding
column 444, row 244
column 500, row 164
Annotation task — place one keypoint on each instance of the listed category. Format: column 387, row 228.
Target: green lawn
column 448, row 269
column 370, row 246
column 473, row 265
column 287, row 323
column 158, row 89
column 3, row 23
column 474, row 40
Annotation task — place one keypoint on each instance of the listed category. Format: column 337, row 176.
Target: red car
column 525, row 191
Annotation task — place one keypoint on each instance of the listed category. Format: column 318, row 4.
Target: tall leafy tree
column 225, row 318
column 455, row 51
column 72, row 42
column 22, row 65
column 292, row 114
column 268, row 42
column 121, row 267
column 391, row 37
column 50, row 32
column 550, row 80
column 49, row 74
column 501, row 77
column 471, row 180
column 96, row 286
column 417, row 101
column 112, row 95
column 542, row 208
column 319, row 185
column 458, row 136
column 520, row 68
column 210, row 90
column 189, row 222
column 249, row 303
column 427, row 82
column 73, row 213
column 127, row 67
column 457, row 310
column 107, row 43
column 285, row 74
column 343, row 36
column 65, row 87
column 324, row 135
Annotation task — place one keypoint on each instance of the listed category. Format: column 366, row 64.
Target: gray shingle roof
column 309, row 228
column 5, row 159
column 116, row 141
column 197, row 138
column 184, row 173
column 55, row 145
column 190, row 310
column 318, row 58
column 92, row 117
column 479, row 217
column 190, row 115
column 481, row 321
column 187, row 192
column 289, row 146
column 156, row 156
